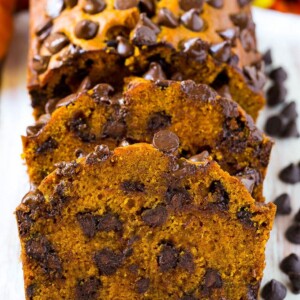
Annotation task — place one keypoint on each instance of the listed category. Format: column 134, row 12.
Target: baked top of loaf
column 138, row 223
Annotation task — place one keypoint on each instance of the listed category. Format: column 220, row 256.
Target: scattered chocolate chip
column 124, row 48
column 167, row 258
column 274, row 125
column 295, row 281
column 142, row 285
column 229, row 34
column 158, row 120
column 196, row 49
column 80, row 127
column 108, row 261
column 147, row 7
column 243, row 3
column 88, row 289
column 240, row 20
column 86, row 29
column 213, row 279
column 267, row 57
column 293, row 234
column 54, row 8
column 93, row 7
column 278, row 74
column 190, row 4
column 71, row 3
column 250, row 178
column 41, row 250
column 244, row 216
column 191, row 20
column 220, row 195
column 274, row 290
column 166, row 141
column 166, row 18
column 215, row 3
column 290, row 174
column 154, row 217
column 177, row 198
column 155, row 72
column 144, row 35
column 255, row 77
column 49, row 145
column 276, row 94
column 291, row 130
column 65, row 169
column 290, row 111
column 297, row 216
column 290, row 264
column 221, row 51
column 132, row 186
column 125, row 4
column 56, row 42
column 283, row 204
column 186, row 261
column 101, row 153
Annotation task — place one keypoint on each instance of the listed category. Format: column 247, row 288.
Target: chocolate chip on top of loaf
column 211, row 42
column 138, row 223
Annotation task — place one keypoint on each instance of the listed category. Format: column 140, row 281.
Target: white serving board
column 279, row 32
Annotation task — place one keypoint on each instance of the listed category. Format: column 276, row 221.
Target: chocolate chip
column 220, row 195
column 41, row 250
column 196, row 49
column 88, row 289
column 44, row 29
column 50, row 106
column 267, row 57
column 247, row 38
column 167, row 258
column 250, row 178
column 54, row 8
column 274, row 290
column 108, row 261
column 49, row 145
column 291, row 130
column 132, row 186
column 100, row 154
column 274, row 126
column 155, row 72
column 278, row 74
column 101, row 93
column 186, row 261
column 166, row 18
column 80, row 127
column 85, row 85
column 190, row 4
column 71, row 3
column 295, row 281
column 213, row 279
column 87, row 223
column 276, row 94
column 154, row 217
column 297, row 216
column 244, row 216
column 115, row 127
column 221, row 51
column 142, row 285
column 293, row 234
column 177, row 198
column 30, row 291
column 290, row 111
column 93, row 7
column 24, row 222
column 86, row 29
column 145, row 21
column 290, row 174
column 65, row 169
column 147, row 7
column 143, row 35
column 253, row 291
column 215, row 3
column 158, row 120
column 229, row 34
column 166, row 141
column 243, row 3
column 240, row 20
column 290, row 264
column 283, row 204
column 191, row 20
column 66, row 101
column 56, row 42
column 254, row 77
column 124, row 48
column 125, row 4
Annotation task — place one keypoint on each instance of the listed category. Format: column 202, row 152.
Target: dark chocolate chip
column 101, row 153
column 166, row 18
column 215, row 3
column 41, row 250
column 144, row 35
column 191, row 20
column 163, row 84
column 240, row 20
column 34, row 129
column 88, row 289
column 167, row 258
column 250, row 178
column 190, row 4
column 247, row 38
column 274, row 125
column 54, row 8
column 276, row 94
column 125, row 4
column 283, row 204
column 49, row 145
column 158, row 120
column 56, row 42
column 87, row 223
column 295, row 281
column 24, row 222
column 66, row 101
column 243, row 3
column 30, row 291
column 293, row 234
column 253, row 291
column 186, row 261
column 145, row 21
column 213, row 279
column 71, row 3
column 290, row 174
column 155, row 72
column 101, row 93
column 200, row 92
column 115, row 127
column 274, row 290
column 142, row 285
column 255, row 77
column 278, row 74
column 229, row 34
column 50, row 105
column 93, row 7
column 290, row 111
column 267, row 57
column 196, row 49
column 132, row 186
column 297, row 216
column 65, row 169
column 244, row 216
column 108, row 261
column 177, row 198
column 80, row 127
column 147, row 7
column 43, row 30
column 290, row 264
column 86, row 29
column 220, row 195
column 124, row 48
column 291, row 130
column 154, row 217
column 221, row 51
column 166, row 141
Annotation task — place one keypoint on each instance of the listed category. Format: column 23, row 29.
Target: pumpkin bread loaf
column 138, row 223
column 211, row 42
column 203, row 121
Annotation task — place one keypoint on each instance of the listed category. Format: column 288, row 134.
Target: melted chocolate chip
column 100, row 154
column 167, row 258
column 66, row 101
column 220, row 195
column 196, row 49
column 221, row 51
column 125, row 4
column 144, row 35
column 41, row 250
column 191, row 20
column 88, row 289
column 54, row 8
column 108, row 261
column 290, row 264
column 101, row 93
column 186, row 261
column 115, row 127
column 295, row 281
column 79, row 126
column 124, row 48
column 93, row 7
column 213, row 279
column 65, row 169
column 166, row 18
column 290, row 174
column 86, row 29
column 166, row 141
column 132, row 186
column 190, row 4
column 49, row 145
column 155, row 72
column 56, row 42
column 274, row 290
column 250, row 178
column 24, row 222
column 147, row 7
column 177, row 198
column 283, row 204
column 293, row 234
column 87, row 223
column 154, row 217
column 215, row 3
column 142, row 285
column 200, row 92
column 244, row 216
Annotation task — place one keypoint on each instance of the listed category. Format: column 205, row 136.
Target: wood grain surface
column 279, row 32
